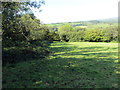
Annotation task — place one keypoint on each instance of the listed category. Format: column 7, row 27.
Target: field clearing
column 70, row 65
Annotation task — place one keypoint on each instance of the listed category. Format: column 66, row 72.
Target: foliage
column 79, row 28
column 33, row 29
column 11, row 12
column 24, row 37
column 24, row 51
column 54, row 36
column 63, row 32
column 70, row 33
column 93, row 35
column 28, row 32
column 26, row 28
column 112, row 33
column 76, row 36
column 98, row 32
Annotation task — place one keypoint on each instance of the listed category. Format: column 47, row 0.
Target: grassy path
column 71, row 65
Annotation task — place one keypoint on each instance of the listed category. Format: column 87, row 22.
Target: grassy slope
column 73, row 64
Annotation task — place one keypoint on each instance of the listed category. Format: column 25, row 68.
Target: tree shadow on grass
column 82, row 51
column 84, row 71
column 78, row 72
column 62, row 73
column 66, row 72
column 100, row 70
column 69, row 48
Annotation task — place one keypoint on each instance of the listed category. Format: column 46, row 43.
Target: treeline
column 24, row 37
column 69, row 33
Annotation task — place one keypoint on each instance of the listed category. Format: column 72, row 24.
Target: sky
column 55, row 11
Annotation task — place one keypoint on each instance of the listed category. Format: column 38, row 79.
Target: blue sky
column 77, row 10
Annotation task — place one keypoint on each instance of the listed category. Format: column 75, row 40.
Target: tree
column 76, row 36
column 24, row 37
column 11, row 15
column 93, row 35
column 63, row 32
column 110, row 34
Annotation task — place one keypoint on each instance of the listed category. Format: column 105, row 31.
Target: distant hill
column 110, row 20
column 84, row 23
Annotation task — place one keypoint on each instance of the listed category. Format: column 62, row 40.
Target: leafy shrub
column 25, row 52
column 76, row 36
column 54, row 36
column 63, row 32
column 93, row 35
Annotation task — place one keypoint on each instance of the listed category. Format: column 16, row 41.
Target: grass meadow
column 70, row 65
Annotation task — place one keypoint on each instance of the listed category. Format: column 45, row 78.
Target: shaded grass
column 71, row 65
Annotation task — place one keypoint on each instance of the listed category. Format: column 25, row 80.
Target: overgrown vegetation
column 24, row 37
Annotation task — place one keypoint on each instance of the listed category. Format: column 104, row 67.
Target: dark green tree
column 11, row 24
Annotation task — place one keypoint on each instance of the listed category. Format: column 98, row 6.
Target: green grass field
column 70, row 65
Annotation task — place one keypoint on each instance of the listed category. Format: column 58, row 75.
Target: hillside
column 85, row 23
column 110, row 20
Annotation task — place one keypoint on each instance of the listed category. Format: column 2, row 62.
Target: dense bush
column 25, row 51
column 24, row 37
column 93, row 35
column 54, row 36
column 76, row 36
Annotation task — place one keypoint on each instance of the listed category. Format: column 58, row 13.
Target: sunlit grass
column 70, row 65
